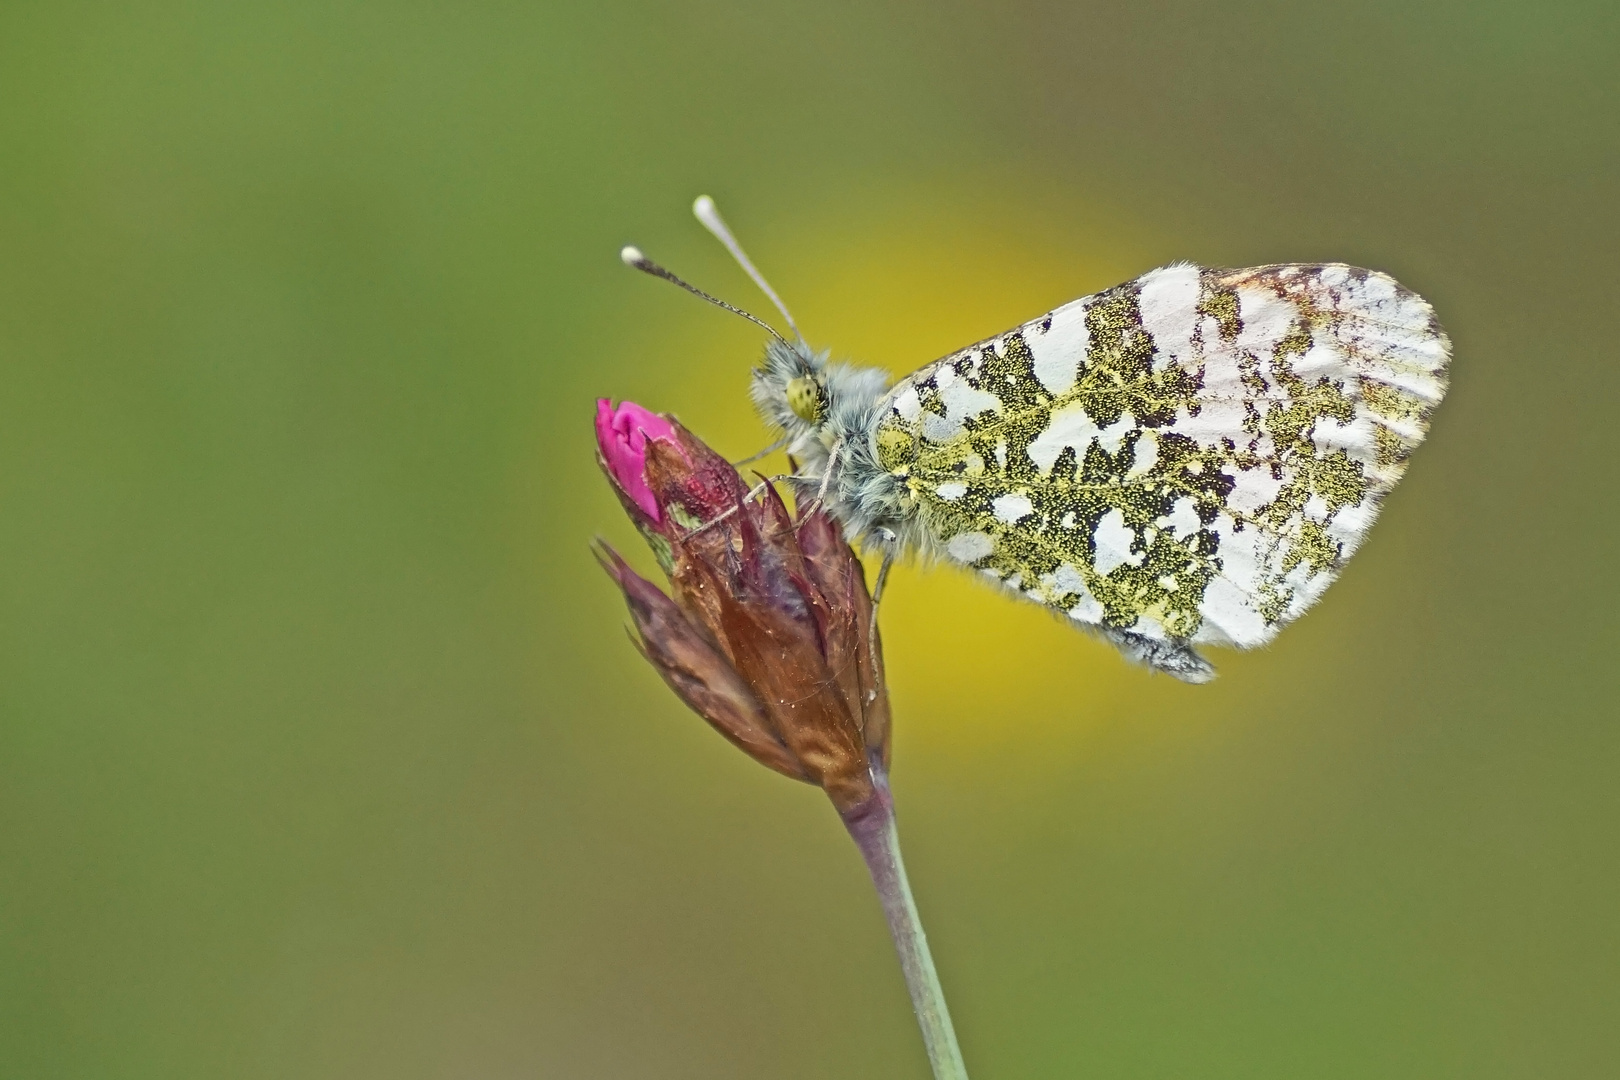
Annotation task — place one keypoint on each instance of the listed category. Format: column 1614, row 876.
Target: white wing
column 1186, row 458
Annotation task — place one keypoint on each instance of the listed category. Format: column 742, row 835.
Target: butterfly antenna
column 634, row 259
column 709, row 215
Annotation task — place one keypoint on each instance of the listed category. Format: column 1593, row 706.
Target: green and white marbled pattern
column 1185, row 459
column 1190, row 456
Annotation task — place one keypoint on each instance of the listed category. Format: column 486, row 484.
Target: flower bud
column 621, row 439
column 767, row 632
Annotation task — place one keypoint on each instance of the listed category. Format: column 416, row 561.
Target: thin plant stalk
column 873, row 828
column 768, row 633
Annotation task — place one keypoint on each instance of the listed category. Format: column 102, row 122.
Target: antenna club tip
column 703, row 208
column 632, row 256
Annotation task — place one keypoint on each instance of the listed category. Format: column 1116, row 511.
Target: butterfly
column 1185, row 459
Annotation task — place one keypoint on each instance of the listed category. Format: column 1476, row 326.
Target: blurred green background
column 323, row 753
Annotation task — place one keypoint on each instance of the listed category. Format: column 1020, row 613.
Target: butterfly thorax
column 828, row 414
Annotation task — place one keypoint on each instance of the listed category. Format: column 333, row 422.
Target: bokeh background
column 323, row 753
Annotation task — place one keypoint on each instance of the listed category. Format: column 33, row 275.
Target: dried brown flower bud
column 767, row 632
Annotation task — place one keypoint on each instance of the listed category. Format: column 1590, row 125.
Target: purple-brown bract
column 767, row 632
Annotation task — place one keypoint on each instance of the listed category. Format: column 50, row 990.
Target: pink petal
column 621, row 435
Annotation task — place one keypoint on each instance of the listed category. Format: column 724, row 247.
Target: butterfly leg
column 826, row 482
column 753, row 492
column 771, row 449
column 882, row 578
column 880, row 581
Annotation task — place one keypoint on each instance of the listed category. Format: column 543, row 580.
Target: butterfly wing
column 1188, row 458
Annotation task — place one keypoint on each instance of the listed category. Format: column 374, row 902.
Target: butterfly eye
column 804, row 397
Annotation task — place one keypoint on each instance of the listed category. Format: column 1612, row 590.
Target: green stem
column 872, row 826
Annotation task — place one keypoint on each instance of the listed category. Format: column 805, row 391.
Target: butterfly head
column 819, row 407
column 790, row 389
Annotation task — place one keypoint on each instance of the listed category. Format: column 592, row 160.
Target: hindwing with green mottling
column 1189, row 457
